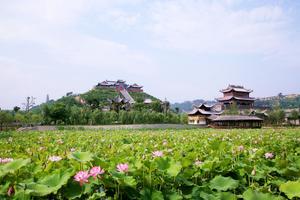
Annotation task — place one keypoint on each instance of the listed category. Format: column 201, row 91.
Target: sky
column 177, row 49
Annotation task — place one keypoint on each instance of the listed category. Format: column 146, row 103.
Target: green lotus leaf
column 163, row 163
column 174, row 168
column 147, row 194
column 255, row 195
column 22, row 195
column 157, row 195
column 227, row 196
column 50, row 184
column 36, row 189
column 82, row 156
column 291, row 189
column 96, row 196
column 4, row 188
column 221, row 183
column 207, row 196
column 73, row 190
column 174, row 196
column 13, row 166
column 129, row 181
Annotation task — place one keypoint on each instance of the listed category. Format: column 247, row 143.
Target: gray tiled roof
column 237, row 98
column 237, row 118
column 236, row 88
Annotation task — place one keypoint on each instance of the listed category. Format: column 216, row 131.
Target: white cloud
column 215, row 27
column 56, row 46
column 58, row 55
column 119, row 19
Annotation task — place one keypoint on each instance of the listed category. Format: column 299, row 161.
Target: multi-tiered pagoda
column 236, row 94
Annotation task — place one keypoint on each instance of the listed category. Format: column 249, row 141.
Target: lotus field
column 151, row 164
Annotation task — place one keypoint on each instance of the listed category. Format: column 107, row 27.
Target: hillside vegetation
column 94, row 107
column 283, row 101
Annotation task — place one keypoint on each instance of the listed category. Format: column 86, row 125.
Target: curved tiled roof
column 227, row 98
column 203, row 112
column 135, row 86
column 236, row 118
column 236, row 88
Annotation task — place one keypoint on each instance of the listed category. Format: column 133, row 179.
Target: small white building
column 201, row 115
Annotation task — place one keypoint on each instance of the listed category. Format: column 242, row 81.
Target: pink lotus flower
column 5, row 160
column 82, row 177
column 157, row 154
column 55, row 158
column 198, row 163
column 95, row 171
column 10, row 191
column 241, row 148
column 165, row 142
column 122, row 167
column 269, row 155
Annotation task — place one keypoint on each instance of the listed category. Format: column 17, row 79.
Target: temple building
column 236, row 94
column 135, row 88
column 119, row 85
column 201, row 115
column 111, row 84
column 236, row 121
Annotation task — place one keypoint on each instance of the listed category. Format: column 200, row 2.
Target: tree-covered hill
column 97, row 98
column 104, row 106
column 282, row 101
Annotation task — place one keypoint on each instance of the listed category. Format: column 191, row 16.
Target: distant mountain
column 284, row 101
column 187, row 106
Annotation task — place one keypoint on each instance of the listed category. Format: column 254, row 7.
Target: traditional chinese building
column 201, row 115
column 236, row 121
column 236, row 94
column 112, row 84
column 119, row 85
column 135, row 88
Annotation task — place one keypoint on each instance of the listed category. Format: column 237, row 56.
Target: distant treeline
column 60, row 114
column 87, row 116
column 284, row 102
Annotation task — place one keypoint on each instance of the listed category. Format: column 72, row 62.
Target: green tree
column 97, row 117
column 277, row 116
column 36, row 119
column 58, row 113
column 5, row 119
column 232, row 109
column 16, row 109
column 20, row 118
column 294, row 115
column 156, row 106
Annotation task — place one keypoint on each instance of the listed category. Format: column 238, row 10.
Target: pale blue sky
column 181, row 50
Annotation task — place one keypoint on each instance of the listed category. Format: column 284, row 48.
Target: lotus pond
column 151, row 164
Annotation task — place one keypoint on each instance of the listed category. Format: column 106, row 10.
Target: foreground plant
column 82, row 177
column 122, row 167
column 166, row 164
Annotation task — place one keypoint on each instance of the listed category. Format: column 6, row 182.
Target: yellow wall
column 198, row 119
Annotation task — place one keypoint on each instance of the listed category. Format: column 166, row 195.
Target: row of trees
column 19, row 118
column 59, row 114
